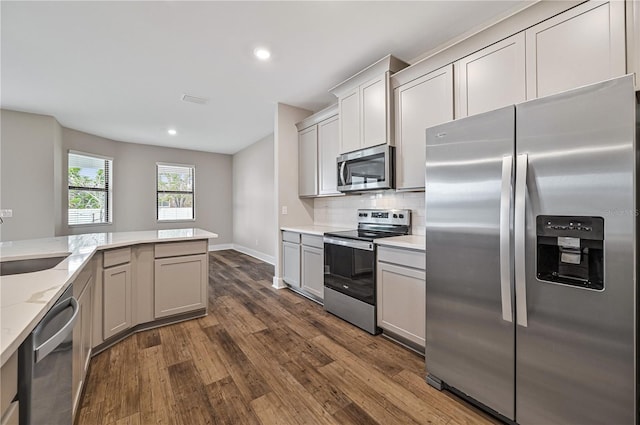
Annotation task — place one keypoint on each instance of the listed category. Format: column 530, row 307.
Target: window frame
column 108, row 190
column 192, row 192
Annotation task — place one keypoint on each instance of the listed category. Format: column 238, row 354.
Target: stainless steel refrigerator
column 531, row 257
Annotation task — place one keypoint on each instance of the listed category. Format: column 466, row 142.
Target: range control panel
column 396, row 217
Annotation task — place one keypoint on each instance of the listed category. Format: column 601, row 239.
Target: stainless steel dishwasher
column 45, row 366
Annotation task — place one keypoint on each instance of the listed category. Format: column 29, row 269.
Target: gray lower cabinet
column 180, row 284
column 303, row 263
column 312, row 271
column 291, row 263
column 82, row 340
column 401, row 294
column 8, row 390
column 116, row 283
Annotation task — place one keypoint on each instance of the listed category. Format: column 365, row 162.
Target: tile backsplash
column 341, row 211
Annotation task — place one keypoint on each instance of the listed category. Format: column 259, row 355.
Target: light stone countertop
column 25, row 298
column 416, row 242
column 317, row 230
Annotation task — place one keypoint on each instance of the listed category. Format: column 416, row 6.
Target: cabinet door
column 420, row 104
column 180, row 284
column 116, row 299
column 581, row 46
column 401, row 294
column 373, row 100
column 349, row 111
column 308, row 162
column 87, row 327
column 328, row 147
column 291, row 263
column 82, row 342
column 491, row 78
column 313, row 270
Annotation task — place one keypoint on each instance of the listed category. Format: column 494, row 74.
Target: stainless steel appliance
column 366, row 169
column 531, row 249
column 44, row 364
column 350, row 264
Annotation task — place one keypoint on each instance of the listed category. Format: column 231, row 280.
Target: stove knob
column 395, row 216
column 401, row 216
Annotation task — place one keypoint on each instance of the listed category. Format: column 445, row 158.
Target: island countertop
column 25, row 298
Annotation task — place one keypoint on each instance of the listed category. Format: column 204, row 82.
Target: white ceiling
column 119, row 69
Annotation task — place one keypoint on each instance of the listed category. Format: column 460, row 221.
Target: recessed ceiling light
column 262, row 53
column 172, row 131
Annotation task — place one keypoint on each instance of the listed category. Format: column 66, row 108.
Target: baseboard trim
column 278, row 283
column 243, row 249
column 220, row 247
column 255, row 254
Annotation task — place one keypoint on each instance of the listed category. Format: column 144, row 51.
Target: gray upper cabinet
column 582, row 46
column 491, row 78
column 349, row 135
column 419, row 104
column 318, row 144
column 365, row 106
column 328, row 146
column 308, row 162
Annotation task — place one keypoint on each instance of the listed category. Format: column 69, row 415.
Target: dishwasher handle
column 43, row 350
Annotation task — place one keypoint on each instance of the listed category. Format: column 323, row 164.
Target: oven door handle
column 349, row 243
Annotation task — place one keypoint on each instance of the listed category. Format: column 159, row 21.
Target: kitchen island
column 25, row 298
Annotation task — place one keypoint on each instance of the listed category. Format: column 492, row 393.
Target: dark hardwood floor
column 262, row 356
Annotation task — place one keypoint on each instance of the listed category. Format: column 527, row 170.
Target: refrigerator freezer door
column 575, row 358
column 469, row 344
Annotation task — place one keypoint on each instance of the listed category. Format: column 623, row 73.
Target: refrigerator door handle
column 505, row 238
column 520, row 230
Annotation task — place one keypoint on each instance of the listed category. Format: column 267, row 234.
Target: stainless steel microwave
column 366, row 169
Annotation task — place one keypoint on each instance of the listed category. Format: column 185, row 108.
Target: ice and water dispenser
column 570, row 250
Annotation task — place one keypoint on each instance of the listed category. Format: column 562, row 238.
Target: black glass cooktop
column 364, row 235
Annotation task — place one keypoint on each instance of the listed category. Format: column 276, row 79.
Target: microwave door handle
column 343, row 178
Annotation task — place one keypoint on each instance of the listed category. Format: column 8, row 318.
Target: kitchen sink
column 29, row 266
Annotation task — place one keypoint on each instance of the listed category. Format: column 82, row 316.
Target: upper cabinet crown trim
column 388, row 63
column 458, row 49
column 321, row 115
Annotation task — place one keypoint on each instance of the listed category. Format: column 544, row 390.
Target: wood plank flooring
column 262, row 356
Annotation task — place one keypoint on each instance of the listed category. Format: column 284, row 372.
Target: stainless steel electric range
column 350, row 265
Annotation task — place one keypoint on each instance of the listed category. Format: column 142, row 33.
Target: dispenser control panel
column 570, row 250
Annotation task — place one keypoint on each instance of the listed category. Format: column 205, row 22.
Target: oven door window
column 350, row 271
column 366, row 170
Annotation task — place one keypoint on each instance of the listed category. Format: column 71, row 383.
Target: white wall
column 254, row 221
column 134, row 185
column 28, row 181
column 299, row 211
column 341, row 211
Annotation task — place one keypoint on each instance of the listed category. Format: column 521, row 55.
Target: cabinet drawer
column 403, row 257
column 176, row 249
column 291, row 237
column 9, row 382
column 312, row 240
column 114, row 257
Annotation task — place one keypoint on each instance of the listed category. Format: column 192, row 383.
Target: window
column 90, row 199
column 175, row 192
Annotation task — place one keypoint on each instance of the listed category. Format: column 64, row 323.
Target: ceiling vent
column 194, row 99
